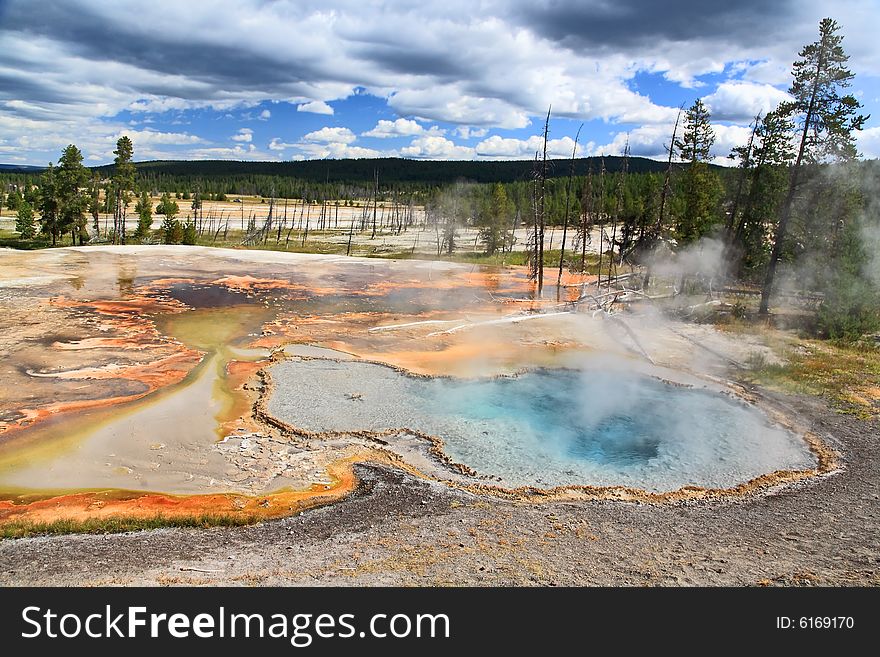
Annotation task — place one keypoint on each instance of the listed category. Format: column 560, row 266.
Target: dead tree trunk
column 567, row 202
column 543, row 180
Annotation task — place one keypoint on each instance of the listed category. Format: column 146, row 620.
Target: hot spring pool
column 550, row 427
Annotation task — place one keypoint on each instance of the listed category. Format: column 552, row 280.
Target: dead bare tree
column 567, row 204
column 665, row 191
column 541, row 217
column 621, row 185
column 375, row 200
column 745, row 165
column 586, row 217
column 598, row 216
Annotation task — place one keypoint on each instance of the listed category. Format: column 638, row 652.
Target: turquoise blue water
column 551, row 427
column 570, row 410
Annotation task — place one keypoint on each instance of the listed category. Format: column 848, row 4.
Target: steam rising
column 547, row 428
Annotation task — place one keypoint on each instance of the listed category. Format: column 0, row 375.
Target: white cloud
column 467, row 132
column 644, row 141
column 277, row 145
column 154, row 137
column 338, row 151
column 868, row 142
column 315, row 107
column 652, row 141
column 742, row 101
column 245, row 135
column 433, row 147
column 398, row 128
column 726, row 137
column 501, row 147
column 238, row 152
column 331, row 135
column 265, row 115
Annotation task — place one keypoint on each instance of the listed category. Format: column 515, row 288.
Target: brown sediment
column 467, row 357
column 121, row 504
column 240, row 416
column 244, row 283
column 508, row 282
column 131, row 330
column 155, row 375
column 139, row 305
column 253, row 284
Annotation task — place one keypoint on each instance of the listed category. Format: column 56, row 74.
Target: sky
column 450, row 80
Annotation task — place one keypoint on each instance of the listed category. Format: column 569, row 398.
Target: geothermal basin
column 549, row 427
column 144, row 380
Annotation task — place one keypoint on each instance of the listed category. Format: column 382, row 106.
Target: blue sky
column 454, row 80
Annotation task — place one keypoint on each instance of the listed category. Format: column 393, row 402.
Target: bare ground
column 399, row 530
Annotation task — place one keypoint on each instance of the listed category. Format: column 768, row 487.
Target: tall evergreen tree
column 123, row 182
column 71, row 176
column 50, row 223
column 697, row 137
column 700, row 186
column 827, row 120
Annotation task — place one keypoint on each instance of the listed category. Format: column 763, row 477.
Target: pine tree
column 144, row 209
column 167, row 206
column 189, row 234
column 123, row 181
column 13, row 200
column 700, row 186
column 24, row 222
column 771, row 156
column 827, row 120
column 698, row 136
column 172, row 230
column 71, row 176
column 48, row 205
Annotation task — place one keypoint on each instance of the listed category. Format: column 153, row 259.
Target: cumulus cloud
column 653, row 141
column 398, row 128
column 265, row 115
column 245, row 135
column 644, row 141
column 337, row 151
column 501, row 147
column 468, row 132
column 315, row 107
column 277, row 145
column 331, row 136
column 156, row 137
column 238, row 152
column 742, row 101
column 433, row 147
